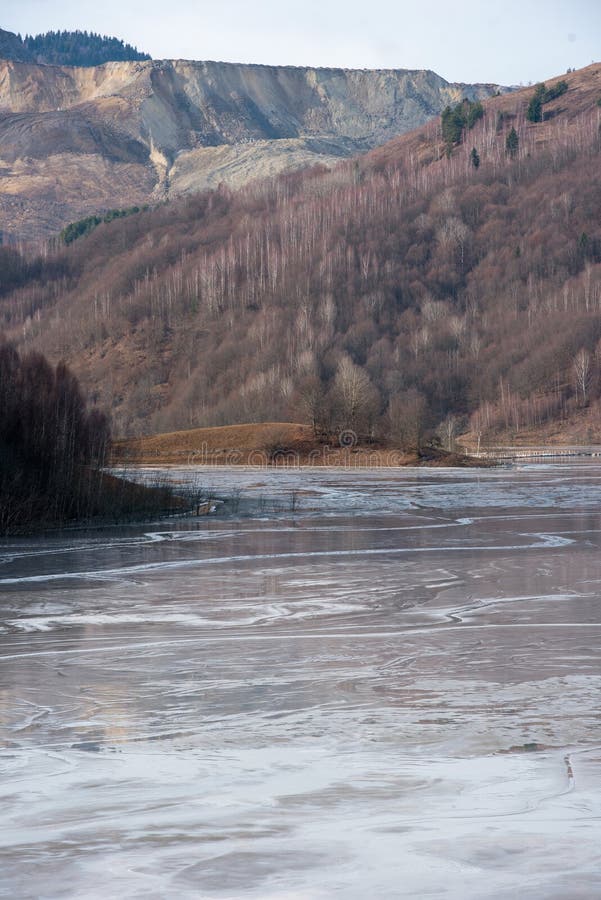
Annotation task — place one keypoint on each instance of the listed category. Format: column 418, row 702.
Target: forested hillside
column 450, row 277
column 67, row 48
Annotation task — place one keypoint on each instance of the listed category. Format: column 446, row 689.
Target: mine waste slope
column 448, row 280
column 78, row 141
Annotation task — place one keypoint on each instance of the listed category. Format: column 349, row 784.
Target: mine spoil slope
column 76, row 141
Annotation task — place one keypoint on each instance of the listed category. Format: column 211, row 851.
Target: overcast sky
column 508, row 42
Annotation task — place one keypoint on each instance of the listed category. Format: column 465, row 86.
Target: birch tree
column 581, row 368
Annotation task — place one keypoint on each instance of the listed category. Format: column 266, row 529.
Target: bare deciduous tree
column 355, row 399
column 407, row 414
column 447, row 431
column 313, row 403
column 582, row 374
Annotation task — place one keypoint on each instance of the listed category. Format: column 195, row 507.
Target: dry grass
column 267, row 443
column 248, row 438
column 278, row 444
column 581, row 427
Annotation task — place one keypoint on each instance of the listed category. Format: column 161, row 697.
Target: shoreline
column 276, row 445
column 471, row 463
column 325, row 457
column 292, row 445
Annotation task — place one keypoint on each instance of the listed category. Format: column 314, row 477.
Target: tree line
column 51, row 445
column 76, row 48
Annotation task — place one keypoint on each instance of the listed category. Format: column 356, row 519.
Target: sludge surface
column 392, row 691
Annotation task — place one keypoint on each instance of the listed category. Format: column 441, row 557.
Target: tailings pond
column 357, row 684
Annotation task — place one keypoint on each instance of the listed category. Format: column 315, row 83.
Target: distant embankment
column 280, row 444
column 265, row 444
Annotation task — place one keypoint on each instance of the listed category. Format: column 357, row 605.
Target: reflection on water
column 392, row 692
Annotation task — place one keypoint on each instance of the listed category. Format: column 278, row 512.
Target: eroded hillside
column 75, row 141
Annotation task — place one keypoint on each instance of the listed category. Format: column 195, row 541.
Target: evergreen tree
column 78, row 229
column 455, row 119
column 474, row 158
column 512, row 143
column 79, row 48
column 542, row 95
column 534, row 113
column 556, row 91
column 453, row 123
column 475, row 111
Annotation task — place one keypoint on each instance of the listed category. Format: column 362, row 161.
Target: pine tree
column 512, row 143
column 455, row 119
column 453, row 123
column 543, row 94
column 475, row 111
column 534, row 113
column 474, row 158
column 79, row 48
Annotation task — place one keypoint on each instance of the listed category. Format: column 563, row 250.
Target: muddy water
column 377, row 684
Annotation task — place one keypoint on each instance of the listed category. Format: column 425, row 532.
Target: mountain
column 450, row 277
column 80, row 141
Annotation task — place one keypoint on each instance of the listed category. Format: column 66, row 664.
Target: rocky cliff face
column 77, row 140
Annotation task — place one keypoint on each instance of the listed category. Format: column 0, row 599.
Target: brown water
column 392, row 692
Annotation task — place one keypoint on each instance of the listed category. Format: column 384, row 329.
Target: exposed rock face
column 78, row 140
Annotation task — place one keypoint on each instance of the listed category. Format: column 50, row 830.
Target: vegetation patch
column 457, row 119
column 82, row 227
column 76, row 48
column 543, row 94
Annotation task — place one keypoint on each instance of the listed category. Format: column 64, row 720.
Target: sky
column 508, row 42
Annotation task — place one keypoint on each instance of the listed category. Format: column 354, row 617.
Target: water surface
column 375, row 684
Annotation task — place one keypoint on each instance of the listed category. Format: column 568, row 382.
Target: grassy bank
column 273, row 444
